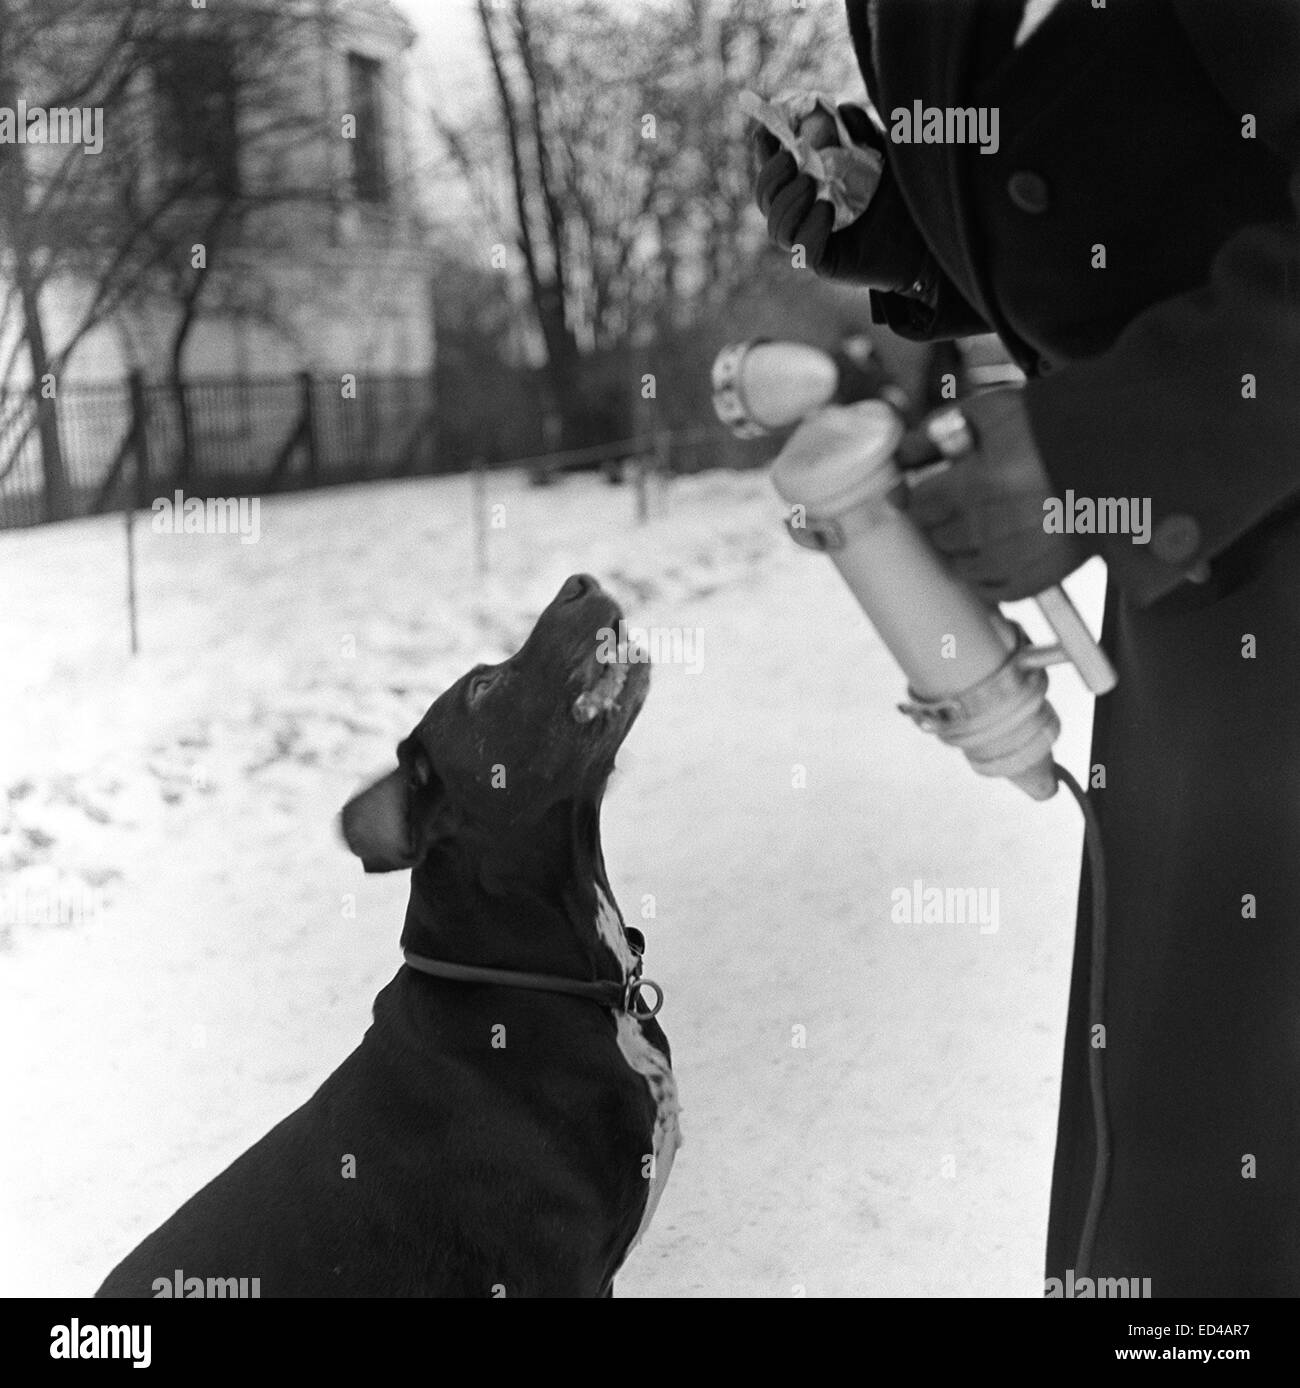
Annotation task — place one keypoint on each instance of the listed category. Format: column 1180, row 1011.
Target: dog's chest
column 648, row 1061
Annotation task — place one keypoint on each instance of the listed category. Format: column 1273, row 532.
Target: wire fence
column 120, row 445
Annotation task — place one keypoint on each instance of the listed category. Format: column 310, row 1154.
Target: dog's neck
column 535, row 899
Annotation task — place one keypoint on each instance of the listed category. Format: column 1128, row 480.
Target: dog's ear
column 392, row 823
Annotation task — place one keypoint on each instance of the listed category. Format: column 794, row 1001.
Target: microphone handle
column 917, row 449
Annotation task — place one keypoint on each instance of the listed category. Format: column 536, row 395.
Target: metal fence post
column 478, row 493
column 663, row 465
column 654, row 464
column 140, row 439
column 140, row 449
column 128, row 516
column 640, row 479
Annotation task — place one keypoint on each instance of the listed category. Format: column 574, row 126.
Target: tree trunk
column 13, row 196
column 184, row 463
column 547, row 291
column 58, row 496
column 562, row 366
column 184, row 467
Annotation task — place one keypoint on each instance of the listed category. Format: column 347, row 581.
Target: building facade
column 319, row 264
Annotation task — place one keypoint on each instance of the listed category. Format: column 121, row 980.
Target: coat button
column 1028, row 191
column 1176, row 538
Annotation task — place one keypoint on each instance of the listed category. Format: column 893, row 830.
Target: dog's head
column 508, row 741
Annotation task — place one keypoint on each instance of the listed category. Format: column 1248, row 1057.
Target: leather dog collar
column 618, row 997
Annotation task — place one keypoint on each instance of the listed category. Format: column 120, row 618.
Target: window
column 365, row 90
column 196, row 87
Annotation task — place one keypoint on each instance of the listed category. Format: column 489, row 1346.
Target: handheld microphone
column 973, row 677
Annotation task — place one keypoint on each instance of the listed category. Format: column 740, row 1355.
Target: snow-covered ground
column 868, row 1106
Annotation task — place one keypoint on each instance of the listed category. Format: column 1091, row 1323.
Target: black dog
column 493, row 1134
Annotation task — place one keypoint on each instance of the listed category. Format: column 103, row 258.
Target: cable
column 1096, row 1011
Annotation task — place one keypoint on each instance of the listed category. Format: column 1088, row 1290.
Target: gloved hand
column 882, row 249
column 985, row 513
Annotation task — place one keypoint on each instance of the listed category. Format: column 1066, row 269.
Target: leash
column 622, row 997
column 1096, row 1011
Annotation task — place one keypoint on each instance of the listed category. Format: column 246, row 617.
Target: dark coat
column 1126, row 127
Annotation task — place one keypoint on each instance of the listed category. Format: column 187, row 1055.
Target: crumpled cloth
column 846, row 174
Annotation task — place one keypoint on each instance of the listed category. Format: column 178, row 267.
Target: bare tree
column 202, row 137
column 253, row 167
column 33, row 236
column 626, row 159
column 509, row 43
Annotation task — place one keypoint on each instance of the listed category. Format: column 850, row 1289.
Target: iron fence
column 125, row 444
column 119, row 442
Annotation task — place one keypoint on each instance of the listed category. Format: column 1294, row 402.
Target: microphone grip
column 1092, row 663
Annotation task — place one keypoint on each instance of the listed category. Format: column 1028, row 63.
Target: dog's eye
column 479, row 686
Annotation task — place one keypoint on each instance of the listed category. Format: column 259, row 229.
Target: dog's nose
column 578, row 586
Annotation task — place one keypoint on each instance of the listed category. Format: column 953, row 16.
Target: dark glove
column 882, row 249
column 985, row 514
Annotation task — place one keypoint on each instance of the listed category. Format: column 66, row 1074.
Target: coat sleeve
column 932, row 309
column 1197, row 403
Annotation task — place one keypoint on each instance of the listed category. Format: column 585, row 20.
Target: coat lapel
column 921, row 51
